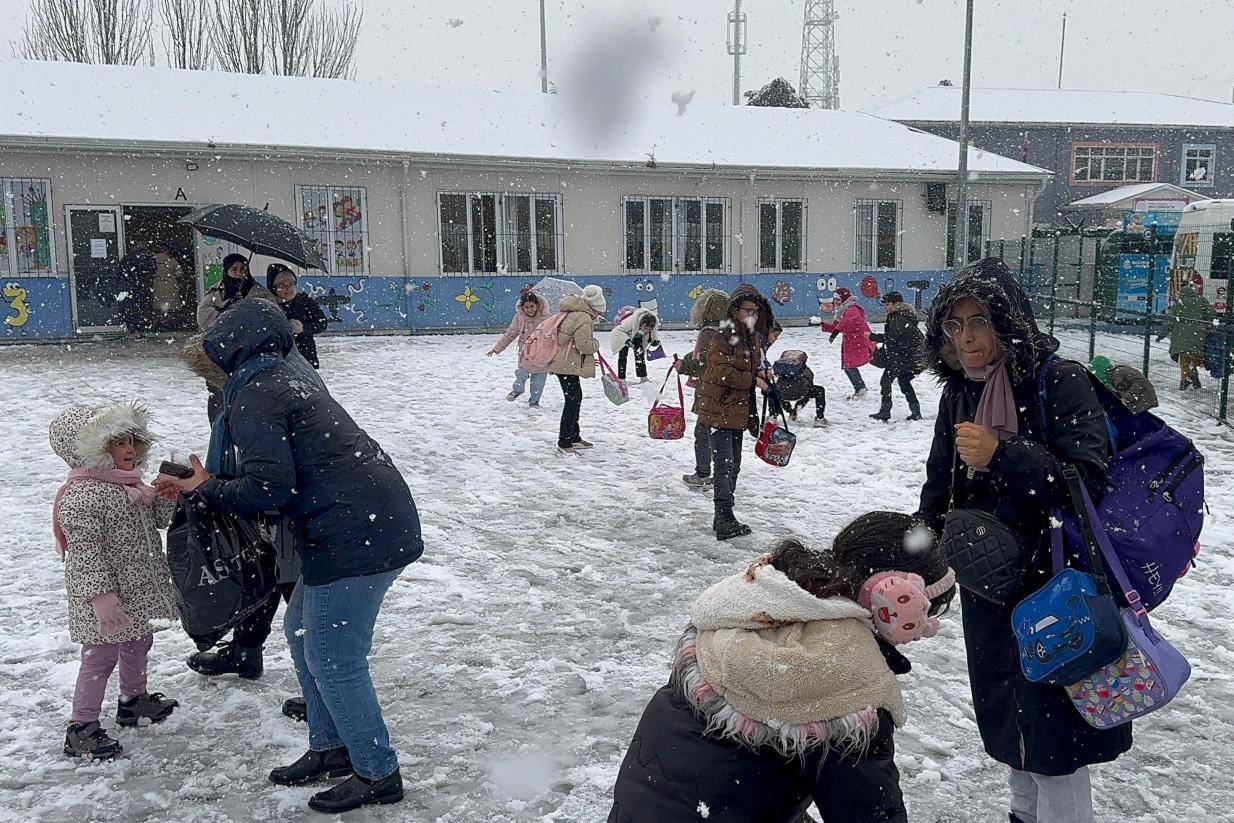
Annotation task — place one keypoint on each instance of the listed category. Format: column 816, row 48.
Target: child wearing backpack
column 530, row 311
column 637, row 332
column 706, row 315
column 783, row 689
column 576, row 347
column 106, row 523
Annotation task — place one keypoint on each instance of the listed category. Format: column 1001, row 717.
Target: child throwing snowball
column 106, row 523
column 531, row 310
column 783, row 688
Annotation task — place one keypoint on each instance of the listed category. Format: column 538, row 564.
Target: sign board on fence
column 1165, row 222
column 1133, row 285
column 1160, row 204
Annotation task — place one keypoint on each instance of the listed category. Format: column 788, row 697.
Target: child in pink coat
column 531, row 311
column 856, row 348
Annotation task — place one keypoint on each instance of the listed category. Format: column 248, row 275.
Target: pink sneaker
column 582, row 444
column 566, row 451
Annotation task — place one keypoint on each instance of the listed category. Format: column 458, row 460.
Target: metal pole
column 1054, row 287
column 1062, row 49
column 961, row 229
column 1151, row 298
column 736, row 46
column 1227, row 340
column 1092, row 309
column 543, row 53
column 1022, row 241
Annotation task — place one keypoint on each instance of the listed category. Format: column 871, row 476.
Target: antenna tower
column 820, row 67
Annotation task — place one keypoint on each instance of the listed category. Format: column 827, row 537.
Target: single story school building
column 435, row 209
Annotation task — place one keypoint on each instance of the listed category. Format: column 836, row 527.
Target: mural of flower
column 468, row 298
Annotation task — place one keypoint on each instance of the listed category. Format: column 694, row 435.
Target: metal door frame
column 118, row 212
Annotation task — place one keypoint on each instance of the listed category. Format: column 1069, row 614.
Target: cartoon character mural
column 16, row 297
column 331, row 302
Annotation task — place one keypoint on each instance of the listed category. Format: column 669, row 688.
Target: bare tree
column 335, row 33
column 290, row 37
column 237, row 35
column 88, row 31
column 186, row 41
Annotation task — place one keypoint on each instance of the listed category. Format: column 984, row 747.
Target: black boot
column 294, row 708
column 228, row 659
column 726, row 525
column 884, row 411
column 355, row 792
column 313, row 766
column 1195, row 378
column 88, row 740
column 153, row 707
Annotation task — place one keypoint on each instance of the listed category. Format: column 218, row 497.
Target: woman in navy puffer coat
column 297, row 451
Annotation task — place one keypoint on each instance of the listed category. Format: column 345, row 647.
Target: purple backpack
column 1152, row 509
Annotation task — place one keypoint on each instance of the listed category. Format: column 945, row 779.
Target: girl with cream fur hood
column 783, row 689
column 106, row 522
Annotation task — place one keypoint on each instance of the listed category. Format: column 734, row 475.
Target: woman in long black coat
column 1014, row 471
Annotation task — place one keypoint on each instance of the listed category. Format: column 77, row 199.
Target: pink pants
column 97, row 662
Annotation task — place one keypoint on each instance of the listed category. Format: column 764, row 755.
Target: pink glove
column 111, row 617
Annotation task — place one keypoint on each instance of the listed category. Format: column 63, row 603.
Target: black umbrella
column 259, row 231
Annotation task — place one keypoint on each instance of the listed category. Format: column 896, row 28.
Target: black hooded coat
column 1028, row 726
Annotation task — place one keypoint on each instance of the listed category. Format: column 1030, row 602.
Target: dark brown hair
column 875, row 542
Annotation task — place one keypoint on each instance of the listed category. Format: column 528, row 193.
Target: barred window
column 781, row 234
column 978, row 230
column 1105, row 163
column 676, row 234
column 337, row 218
column 878, row 234
column 1198, row 166
column 484, row 232
column 25, row 227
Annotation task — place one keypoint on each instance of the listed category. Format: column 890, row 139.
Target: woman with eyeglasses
column 725, row 396
column 990, row 453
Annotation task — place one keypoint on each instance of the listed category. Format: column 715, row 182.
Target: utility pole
column 1062, row 49
column 736, row 46
column 543, row 53
column 961, row 206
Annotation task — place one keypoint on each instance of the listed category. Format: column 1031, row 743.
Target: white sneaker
column 570, row 450
column 821, row 423
column 642, row 380
column 860, row 393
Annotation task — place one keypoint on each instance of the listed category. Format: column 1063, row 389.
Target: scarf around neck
column 996, row 410
column 139, row 494
column 221, row 458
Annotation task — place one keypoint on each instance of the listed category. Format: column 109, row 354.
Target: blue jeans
column 537, row 383
column 330, row 631
column 854, row 377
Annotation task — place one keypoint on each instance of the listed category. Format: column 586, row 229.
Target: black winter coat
column 300, row 453
column 904, row 341
column 1028, row 726
column 305, row 309
column 672, row 769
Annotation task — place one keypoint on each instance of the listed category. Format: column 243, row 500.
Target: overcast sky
column 887, row 48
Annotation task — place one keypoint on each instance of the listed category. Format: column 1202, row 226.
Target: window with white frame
column 781, row 234
column 25, row 227
column 675, row 234
column 1107, row 163
column 337, row 218
column 978, row 230
column 878, row 234
column 487, row 232
column 1198, row 166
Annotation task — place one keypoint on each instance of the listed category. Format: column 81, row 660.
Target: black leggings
column 572, row 392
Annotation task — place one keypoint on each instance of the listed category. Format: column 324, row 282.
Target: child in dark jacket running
column 783, row 689
column 904, row 355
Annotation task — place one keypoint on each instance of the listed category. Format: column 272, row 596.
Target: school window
column 1198, row 166
column 675, row 234
column 484, row 232
column 1104, row 163
column 25, row 230
column 337, row 218
column 878, row 234
column 781, row 234
column 978, row 230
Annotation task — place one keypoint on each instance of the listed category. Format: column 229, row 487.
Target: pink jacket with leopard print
column 113, row 545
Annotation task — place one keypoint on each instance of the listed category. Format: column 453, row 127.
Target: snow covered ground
column 513, row 660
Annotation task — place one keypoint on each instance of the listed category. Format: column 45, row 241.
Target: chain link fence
column 1116, row 297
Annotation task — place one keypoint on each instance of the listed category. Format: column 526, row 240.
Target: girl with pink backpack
column 530, row 312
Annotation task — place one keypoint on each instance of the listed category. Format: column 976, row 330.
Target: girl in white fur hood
column 106, row 523
column 783, row 689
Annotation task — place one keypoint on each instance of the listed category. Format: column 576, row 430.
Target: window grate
column 25, row 227
column 674, row 235
column 513, row 232
column 877, row 236
column 337, row 218
column 781, row 234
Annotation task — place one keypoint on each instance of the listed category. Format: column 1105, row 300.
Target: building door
column 173, row 290
column 95, row 247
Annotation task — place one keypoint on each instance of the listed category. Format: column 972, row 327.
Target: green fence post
column 1054, row 286
column 1227, row 341
column 1092, row 306
column 1151, row 298
column 1023, row 239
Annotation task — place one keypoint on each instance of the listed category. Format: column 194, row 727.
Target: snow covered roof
column 1139, row 191
column 941, row 104
column 70, row 104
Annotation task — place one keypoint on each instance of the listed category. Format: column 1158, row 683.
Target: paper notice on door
column 98, row 247
column 107, row 223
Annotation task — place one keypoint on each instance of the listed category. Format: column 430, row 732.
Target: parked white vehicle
column 1204, row 250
